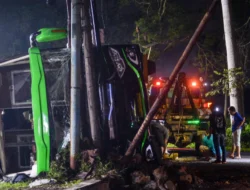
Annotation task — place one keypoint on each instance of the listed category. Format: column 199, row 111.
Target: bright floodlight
column 217, row 109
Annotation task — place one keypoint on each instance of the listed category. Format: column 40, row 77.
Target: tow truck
column 185, row 110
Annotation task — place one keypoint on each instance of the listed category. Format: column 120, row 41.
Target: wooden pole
column 90, row 76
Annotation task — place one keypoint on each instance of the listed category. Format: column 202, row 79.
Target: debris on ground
column 140, row 174
column 90, row 155
column 40, row 182
column 139, row 178
column 150, row 185
column 21, row 177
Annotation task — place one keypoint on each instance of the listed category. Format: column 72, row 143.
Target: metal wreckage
column 35, row 97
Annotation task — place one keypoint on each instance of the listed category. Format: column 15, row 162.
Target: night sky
column 20, row 18
column 168, row 60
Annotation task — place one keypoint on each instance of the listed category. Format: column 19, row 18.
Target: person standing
column 218, row 129
column 237, row 123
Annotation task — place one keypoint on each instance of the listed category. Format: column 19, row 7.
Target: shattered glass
column 56, row 65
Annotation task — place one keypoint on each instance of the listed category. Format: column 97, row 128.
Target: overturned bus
column 35, row 101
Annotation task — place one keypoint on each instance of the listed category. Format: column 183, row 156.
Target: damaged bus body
column 37, row 87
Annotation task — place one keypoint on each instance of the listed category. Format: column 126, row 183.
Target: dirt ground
column 220, row 177
column 234, row 175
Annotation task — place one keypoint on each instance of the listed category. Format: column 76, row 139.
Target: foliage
column 60, row 169
column 245, row 136
column 211, row 57
column 13, row 186
column 102, row 168
column 160, row 22
column 85, row 166
column 236, row 77
column 117, row 18
column 229, row 137
column 212, row 64
column 70, row 183
column 207, row 60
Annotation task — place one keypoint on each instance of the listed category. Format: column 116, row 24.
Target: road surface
column 189, row 155
column 235, row 174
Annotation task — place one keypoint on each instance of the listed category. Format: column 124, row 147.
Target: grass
column 71, row 183
column 24, row 185
column 8, row 186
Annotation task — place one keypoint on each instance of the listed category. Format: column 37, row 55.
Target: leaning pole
column 170, row 82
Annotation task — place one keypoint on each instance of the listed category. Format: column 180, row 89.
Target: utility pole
column 2, row 152
column 90, row 76
column 231, row 60
column 75, row 81
column 68, row 3
column 169, row 83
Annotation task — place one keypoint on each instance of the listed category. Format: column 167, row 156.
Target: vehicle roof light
column 158, row 83
column 207, row 104
column 194, row 83
column 193, row 122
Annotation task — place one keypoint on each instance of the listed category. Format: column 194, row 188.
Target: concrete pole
column 231, row 59
column 90, row 75
column 168, row 85
column 2, row 149
column 68, row 3
column 75, row 81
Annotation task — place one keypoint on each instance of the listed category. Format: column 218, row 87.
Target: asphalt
column 186, row 155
